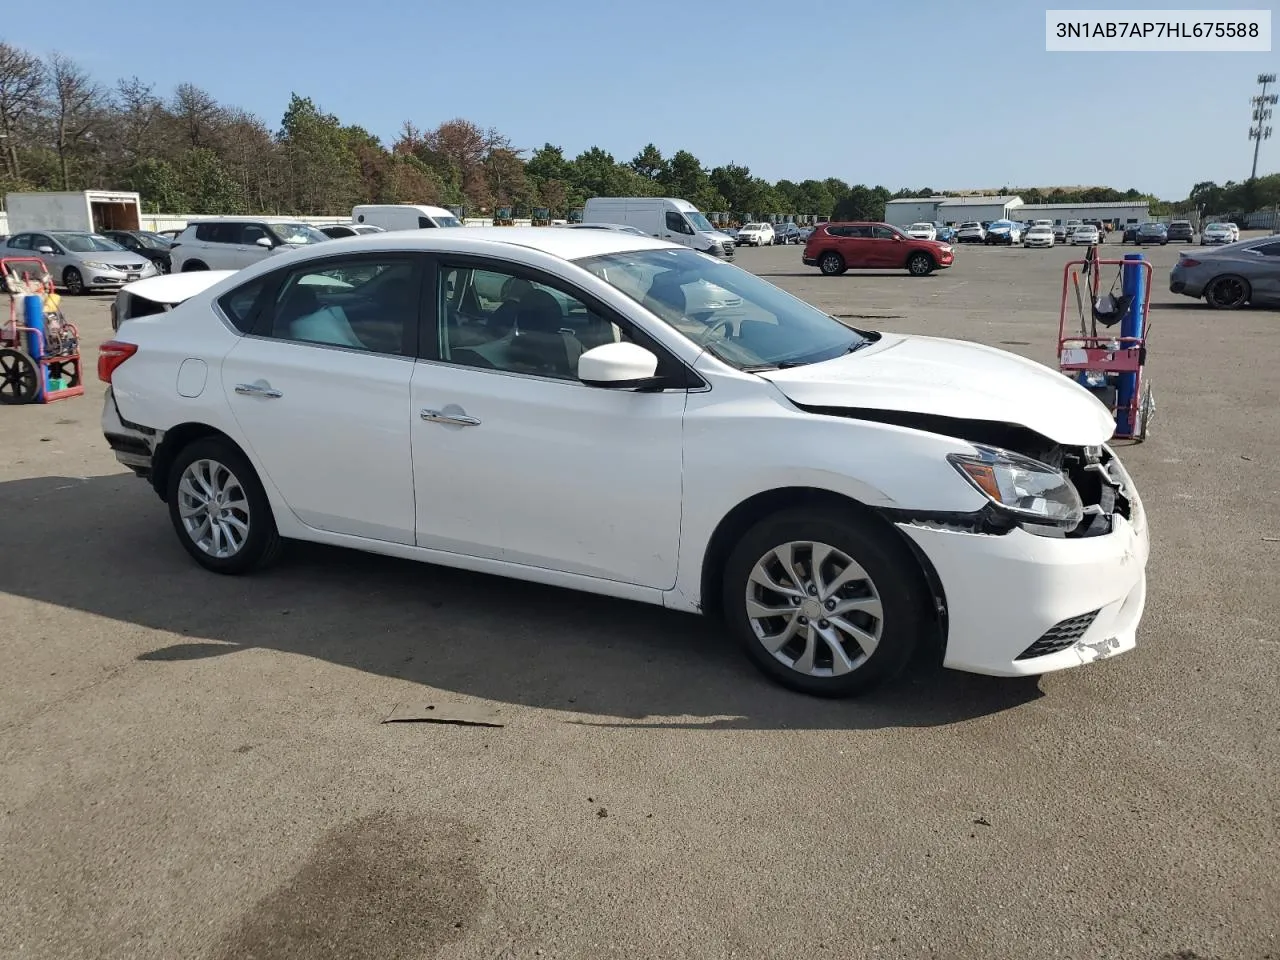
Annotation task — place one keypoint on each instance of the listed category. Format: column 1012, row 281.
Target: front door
column 515, row 459
column 320, row 391
column 676, row 228
column 886, row 248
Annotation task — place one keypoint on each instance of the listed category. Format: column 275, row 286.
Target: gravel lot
column 195, row 766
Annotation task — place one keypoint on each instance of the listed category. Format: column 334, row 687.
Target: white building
column 943, row 209
column 1128, row 211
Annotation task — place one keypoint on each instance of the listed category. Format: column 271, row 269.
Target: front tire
column 73, row 281
column 919, row 264
column 824, row 602
column 219, row 509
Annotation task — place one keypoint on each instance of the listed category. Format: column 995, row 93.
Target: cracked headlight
column 1027, row 488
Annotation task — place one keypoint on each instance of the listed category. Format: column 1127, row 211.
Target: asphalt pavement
column 196, row 766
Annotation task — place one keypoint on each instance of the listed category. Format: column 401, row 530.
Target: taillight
column 110, row 355
column 1190, row 262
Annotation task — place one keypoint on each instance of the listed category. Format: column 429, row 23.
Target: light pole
column 1262, row 105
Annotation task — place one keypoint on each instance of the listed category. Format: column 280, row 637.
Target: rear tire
column 1227, row 293
column 877, row 614
column 219, row 509
column 831, row 264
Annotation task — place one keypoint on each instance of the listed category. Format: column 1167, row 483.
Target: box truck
column 88, row 210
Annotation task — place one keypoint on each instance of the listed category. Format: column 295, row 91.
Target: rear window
column 241, row 305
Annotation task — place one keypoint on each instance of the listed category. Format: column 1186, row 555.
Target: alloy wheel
column 814, row 609
column 214, row 509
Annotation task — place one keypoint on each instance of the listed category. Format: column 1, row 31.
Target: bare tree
column 139, row 113
column 199, row 116
column 76, row 103
column 22, row 81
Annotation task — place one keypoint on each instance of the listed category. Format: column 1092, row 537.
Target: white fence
column 177, row 221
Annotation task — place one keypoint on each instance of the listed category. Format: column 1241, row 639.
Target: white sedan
column 565, row 407
column 922, row 231
column 1085, row 234
column 1038, row 236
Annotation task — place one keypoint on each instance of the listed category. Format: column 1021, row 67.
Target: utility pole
column 1262, row 105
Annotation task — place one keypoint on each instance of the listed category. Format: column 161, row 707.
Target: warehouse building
column 944, row 209
column 1128, row 211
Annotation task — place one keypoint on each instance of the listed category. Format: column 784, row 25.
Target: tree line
column 62, row 129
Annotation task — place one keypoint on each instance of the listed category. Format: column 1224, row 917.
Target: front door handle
column 258, row 389
column 460, row 420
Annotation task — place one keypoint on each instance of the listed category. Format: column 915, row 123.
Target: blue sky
column 922, row 93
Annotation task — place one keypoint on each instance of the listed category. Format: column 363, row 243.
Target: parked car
column 1214, row 233
column 1007, row 232
column 80, row 262
column 971, row 232
column 755, row 235
column 230, row 243
column 946, row 233
column 922, row 231
column 787, row 233
column 145, row 298
column 1152, row 232
column 1060, row 233
column 1228, row 277
column 1038, row 236
column 339, row 231
column 1182, row 230
column 1130, row 233
column 837, row 247
column 169, row 234
column 983, row 511
column 144, row 243
column 1085, row 234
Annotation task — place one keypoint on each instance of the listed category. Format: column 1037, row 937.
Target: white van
column 403, row 216
column 664, row 217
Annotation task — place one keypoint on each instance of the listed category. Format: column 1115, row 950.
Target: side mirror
column 44, row 250
column 898, row 237
column 620, row 366
column 264, row 242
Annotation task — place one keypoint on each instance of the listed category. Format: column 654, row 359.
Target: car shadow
column 815, row 272
column 103, row 545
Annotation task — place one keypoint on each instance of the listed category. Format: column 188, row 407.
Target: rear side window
column 243, row 303
column 218, row 232
column 1269, row 249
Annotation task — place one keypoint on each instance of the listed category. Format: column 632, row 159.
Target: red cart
column 36, row 366
column 1111, row 366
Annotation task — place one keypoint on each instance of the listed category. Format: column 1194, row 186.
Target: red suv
column 837, row 247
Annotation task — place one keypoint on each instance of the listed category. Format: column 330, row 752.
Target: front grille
column 1060, row 636
column 133, row 266
column 728, row 248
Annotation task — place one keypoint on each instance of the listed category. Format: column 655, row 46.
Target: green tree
column 206, row 185
column 323, row 173
column 648, row 163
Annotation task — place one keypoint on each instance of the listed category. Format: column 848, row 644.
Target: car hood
column 951, row 378
column 175, row 288
column 109, row 256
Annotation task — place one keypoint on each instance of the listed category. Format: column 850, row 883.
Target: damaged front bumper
column 1020, row 604
column 134, row 445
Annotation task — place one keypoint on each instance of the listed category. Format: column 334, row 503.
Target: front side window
column 425, row 223
column 498, row 320
column 251, row 233
column 885, row 233
column 742, row 319
column 365, row 303
column 678, row 223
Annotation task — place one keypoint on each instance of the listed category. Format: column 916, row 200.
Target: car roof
column 565, row 244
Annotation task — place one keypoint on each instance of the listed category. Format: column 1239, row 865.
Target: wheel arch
column 734, row 524
column 173, row 442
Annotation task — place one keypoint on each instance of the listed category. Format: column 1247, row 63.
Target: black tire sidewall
column 1216, row 304
column 66, row 281
column 888, row 562
column 262, row 528
column 822, row 264
column 915, row 258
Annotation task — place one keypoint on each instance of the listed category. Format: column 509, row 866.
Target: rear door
column 1264, row 273
column 320, row 389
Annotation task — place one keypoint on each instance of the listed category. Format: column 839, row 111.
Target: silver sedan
column 1231, row 276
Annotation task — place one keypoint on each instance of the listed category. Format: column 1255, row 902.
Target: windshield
column 698, row 220
column 153, row 241
column 87, row 242
column 297, row 233
column 759, row 327
column 922, row 226
column 447, row 221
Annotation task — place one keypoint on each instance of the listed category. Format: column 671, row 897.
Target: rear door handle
column 461, row 420
column 258, row 389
